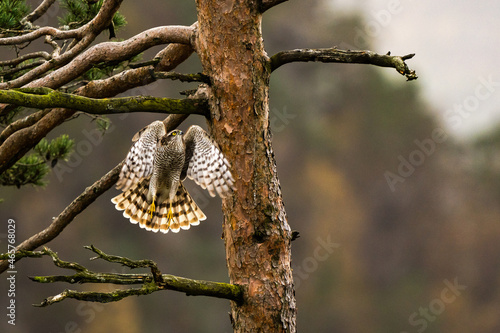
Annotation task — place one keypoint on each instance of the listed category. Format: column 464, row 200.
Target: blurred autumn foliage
column 420, row 256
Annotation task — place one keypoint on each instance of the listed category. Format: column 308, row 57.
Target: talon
column 170, row 217
column 151, row 208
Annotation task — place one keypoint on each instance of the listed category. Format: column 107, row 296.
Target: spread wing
column 205, row 163
column 139, row 161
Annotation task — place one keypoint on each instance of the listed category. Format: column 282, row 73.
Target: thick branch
column 151, row 282
column 78, row 205
column 114, row 51
column 42, row 98
column 342, row 56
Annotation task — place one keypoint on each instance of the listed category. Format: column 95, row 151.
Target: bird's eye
column 174, row 133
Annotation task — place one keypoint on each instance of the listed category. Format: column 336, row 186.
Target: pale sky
column 457, row 46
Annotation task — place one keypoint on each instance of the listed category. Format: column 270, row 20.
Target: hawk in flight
column 152, row 175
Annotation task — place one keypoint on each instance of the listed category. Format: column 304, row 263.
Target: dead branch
column 342, row 56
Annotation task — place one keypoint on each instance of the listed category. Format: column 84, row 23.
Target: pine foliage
column 11, row 13
column 33, row 168
column 80, row 12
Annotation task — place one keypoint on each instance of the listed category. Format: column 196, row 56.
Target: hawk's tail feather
column 135, row 207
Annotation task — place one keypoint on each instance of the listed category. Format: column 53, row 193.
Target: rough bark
column 256, row 233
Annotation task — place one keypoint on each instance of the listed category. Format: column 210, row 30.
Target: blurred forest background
column 369, row 259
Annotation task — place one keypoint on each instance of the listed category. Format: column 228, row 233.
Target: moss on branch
column 42, row 98
column 151, row 282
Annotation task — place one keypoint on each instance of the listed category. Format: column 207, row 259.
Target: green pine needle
column 80, row 12
column 33, row 168
column 11, row 13
column 30, row 169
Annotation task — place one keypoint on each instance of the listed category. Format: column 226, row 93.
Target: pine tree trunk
column 256, row 232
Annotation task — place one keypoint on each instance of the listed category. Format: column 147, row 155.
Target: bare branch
column 88, row 196
column 42, row 98
column 151, row 282
column 40, row 32
column 342, row 56
column 38, row 12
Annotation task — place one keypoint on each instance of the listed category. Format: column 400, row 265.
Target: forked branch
column 154, row 281
column 343, row 56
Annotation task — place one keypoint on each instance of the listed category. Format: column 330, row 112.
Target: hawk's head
column 174, row 135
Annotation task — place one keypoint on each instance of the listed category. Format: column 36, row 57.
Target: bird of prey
column 153, row 173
